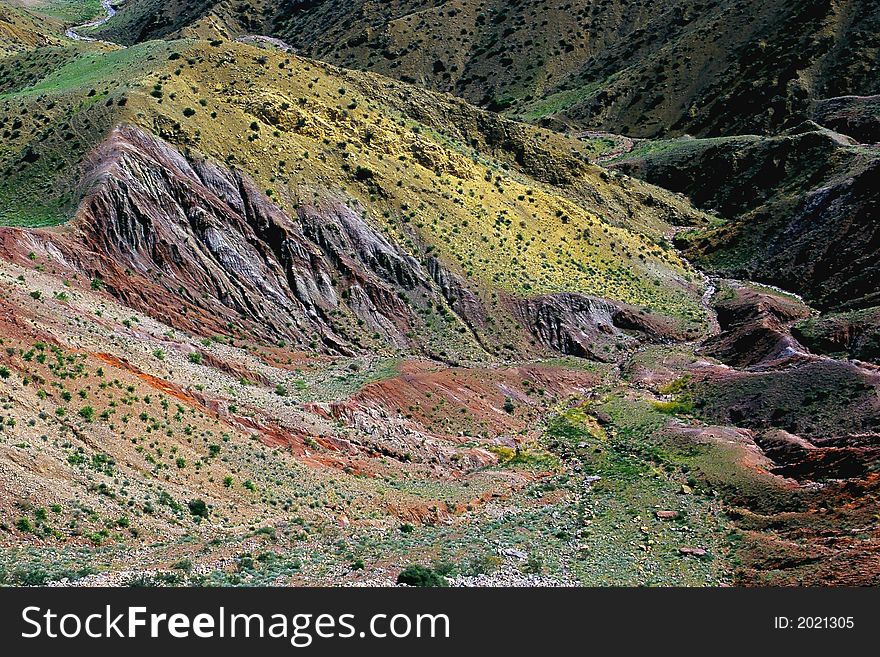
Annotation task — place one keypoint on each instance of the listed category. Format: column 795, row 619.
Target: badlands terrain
column 526, row 293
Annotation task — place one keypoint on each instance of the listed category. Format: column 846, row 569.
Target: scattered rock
column 515, row 554
column 692, row 552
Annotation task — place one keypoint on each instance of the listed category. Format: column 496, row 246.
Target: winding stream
column 72, row 32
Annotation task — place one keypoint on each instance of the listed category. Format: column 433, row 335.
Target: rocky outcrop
column 855, row 116
column 209, row 238
column 200, row 247
column 755, row 327
column 460, row 298
column 587, row 327
column 846, row 335
column 799, row 459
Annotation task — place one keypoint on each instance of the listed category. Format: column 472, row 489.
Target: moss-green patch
column 675, row 407
column 561, row 100
column 525, row 457
column 624, row 474
column 95, row 67
column 704, row 465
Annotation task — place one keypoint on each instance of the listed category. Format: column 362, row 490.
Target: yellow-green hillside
column 437, row 175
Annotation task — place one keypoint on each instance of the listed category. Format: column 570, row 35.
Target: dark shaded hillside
column 855, row 116
column 802, row 209
column 642, row 67
column 143, row 20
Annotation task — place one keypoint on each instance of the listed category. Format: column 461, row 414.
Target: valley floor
column 329, row 471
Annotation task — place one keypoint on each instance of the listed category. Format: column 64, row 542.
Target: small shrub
column 23, row 524
column 184, row 564
column 198, row 508
column 483, row 565
column 534, row 564
column 31, row 576
column 444, row 568
column 420, row 576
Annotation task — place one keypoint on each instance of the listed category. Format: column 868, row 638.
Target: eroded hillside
column 265, row 320
column 443, row 199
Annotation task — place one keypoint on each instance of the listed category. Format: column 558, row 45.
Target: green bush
column 484, row 564
column 23, row 524
column 266, row 531
column 184, row 565
column 535, row 564
column 421, row 576
column 444, row 568
column 198, row 508
column 30, row 576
